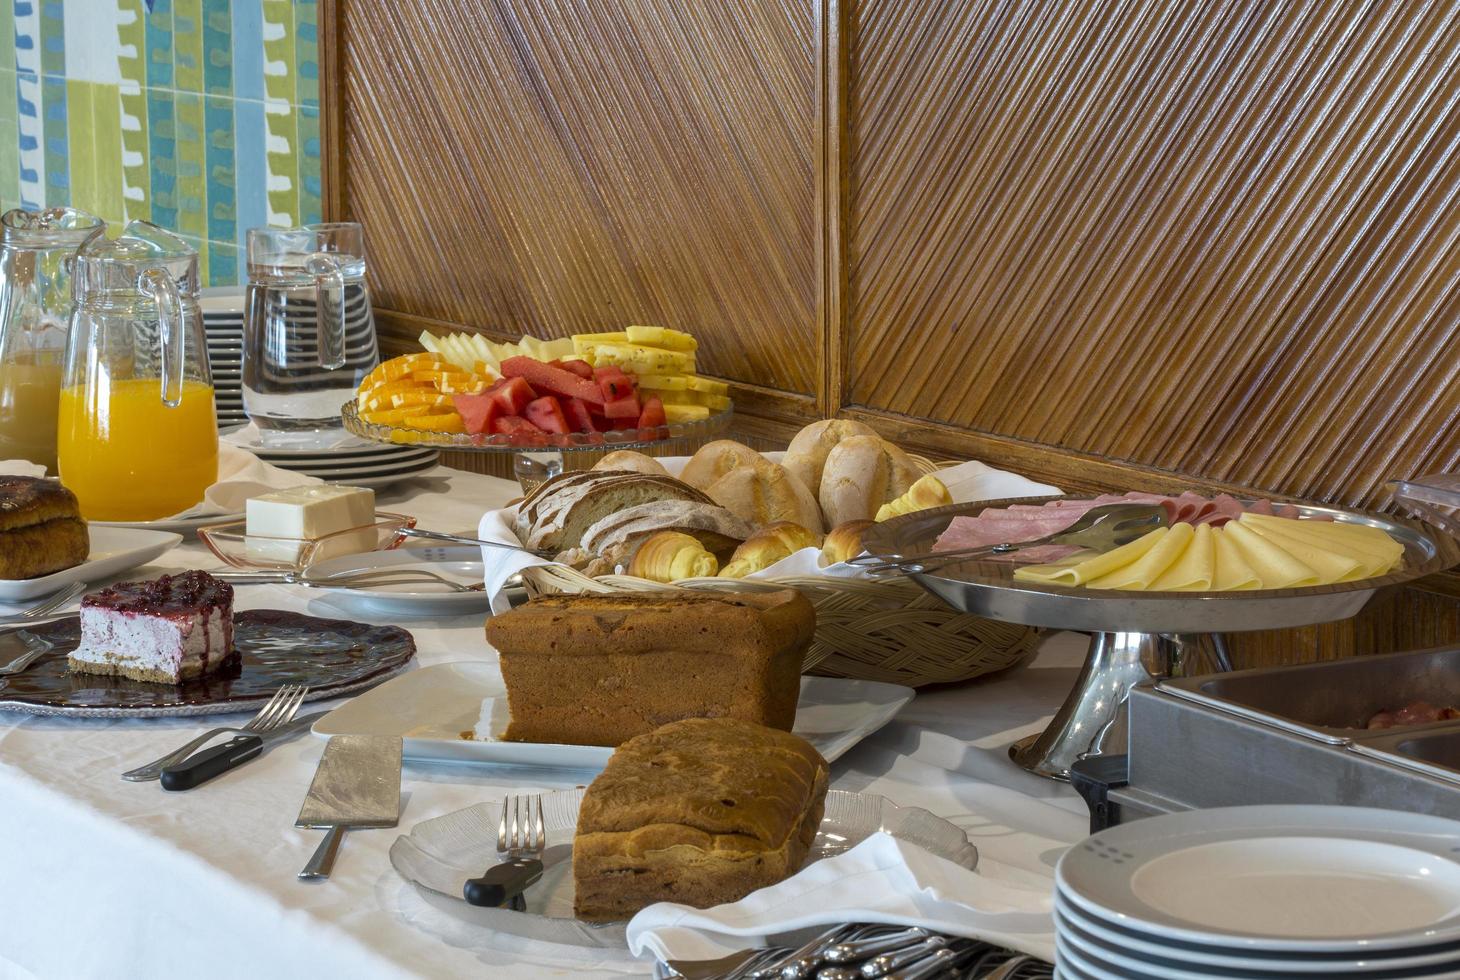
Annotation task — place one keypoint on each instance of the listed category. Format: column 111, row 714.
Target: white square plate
column 430, row 708
column 113, row 550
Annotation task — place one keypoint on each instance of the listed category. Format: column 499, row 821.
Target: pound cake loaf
column 702, row 811
column 41, row 530
column 600, row 668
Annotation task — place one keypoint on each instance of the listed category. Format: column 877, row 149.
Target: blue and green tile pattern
column 199, row 115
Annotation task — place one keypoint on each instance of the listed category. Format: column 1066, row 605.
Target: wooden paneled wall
column 1129, row 242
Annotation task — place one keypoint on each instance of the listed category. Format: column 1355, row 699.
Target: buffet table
column 109, row 878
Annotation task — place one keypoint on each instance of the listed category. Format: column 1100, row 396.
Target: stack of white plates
column 223, row 312
column 352, row 461
column 1262, row 891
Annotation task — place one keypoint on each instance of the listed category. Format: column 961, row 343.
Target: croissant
column 843, row 542
column 928, row 491
column 767, row 546
column 669, row 556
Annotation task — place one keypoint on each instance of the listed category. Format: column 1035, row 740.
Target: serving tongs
column 1100, row 529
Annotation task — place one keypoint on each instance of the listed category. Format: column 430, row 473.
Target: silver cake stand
column 1136, row 635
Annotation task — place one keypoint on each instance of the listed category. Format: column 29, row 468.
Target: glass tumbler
column 309, row 335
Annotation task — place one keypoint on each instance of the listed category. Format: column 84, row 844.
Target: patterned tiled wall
column 199, row 115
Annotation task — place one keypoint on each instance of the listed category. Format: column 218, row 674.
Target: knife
column 357, row 784
column 502, row 882
column 202, row 766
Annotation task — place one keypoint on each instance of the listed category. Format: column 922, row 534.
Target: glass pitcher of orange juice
column 137, row 438
column 37, row 251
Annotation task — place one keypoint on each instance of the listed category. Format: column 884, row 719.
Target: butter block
column 291, row 551
column 310, row 512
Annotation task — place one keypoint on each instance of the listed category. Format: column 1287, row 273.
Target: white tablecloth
column 105, row 878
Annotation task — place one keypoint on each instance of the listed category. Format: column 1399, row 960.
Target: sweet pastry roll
column 767, row 546
column 41, row 530
column 843, row 542
column 668, row 556
column 926, row 493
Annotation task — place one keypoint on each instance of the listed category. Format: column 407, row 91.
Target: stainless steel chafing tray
column 1282, row 735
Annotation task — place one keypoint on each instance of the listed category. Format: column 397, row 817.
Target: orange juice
column 128, row 457
column 29, row 388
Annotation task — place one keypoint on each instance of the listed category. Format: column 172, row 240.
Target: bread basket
column 891, row 630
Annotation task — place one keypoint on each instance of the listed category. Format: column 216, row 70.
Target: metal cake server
column 357, row 785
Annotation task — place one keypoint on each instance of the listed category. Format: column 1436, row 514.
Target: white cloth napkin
column 242, row 475
column 966, row 483
column 881, row 880
column 21, row 467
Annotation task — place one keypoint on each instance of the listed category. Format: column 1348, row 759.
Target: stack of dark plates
column 223, row 312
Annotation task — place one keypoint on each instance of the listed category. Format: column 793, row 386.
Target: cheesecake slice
column 169, row 630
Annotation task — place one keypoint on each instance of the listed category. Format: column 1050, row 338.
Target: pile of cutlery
column 869, row 952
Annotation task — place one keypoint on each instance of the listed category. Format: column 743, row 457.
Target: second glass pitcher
column 37, row 252
column 137, row 438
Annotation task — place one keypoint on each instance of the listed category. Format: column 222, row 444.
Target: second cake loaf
column 600, row 668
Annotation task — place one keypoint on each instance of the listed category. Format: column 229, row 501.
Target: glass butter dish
column 1434, row 498
column 233, row 544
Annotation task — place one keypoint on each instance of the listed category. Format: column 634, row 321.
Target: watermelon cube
column 514, row 396
column 477, row 412
column 582, row 369
column 546, row 414
column 625, row 407
column 614, row 388
column 575, row 410
column 608, row 371
column 551, row 380
column 518, row 429
column 653, row 413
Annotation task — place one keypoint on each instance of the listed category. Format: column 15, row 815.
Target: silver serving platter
column 988, row 588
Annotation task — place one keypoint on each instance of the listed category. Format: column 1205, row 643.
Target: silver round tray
column 988, row 588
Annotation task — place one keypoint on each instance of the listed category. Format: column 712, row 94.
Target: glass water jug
column 37, row 252
column 137, row 435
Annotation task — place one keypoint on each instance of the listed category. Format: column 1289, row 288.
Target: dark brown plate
column 333, row 656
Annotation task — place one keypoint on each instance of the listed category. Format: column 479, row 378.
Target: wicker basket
column 875, row 631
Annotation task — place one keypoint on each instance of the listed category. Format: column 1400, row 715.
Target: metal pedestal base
column 1092, row 721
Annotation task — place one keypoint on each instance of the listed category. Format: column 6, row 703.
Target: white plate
column 182, row 525
column 1192, row 956
column 1304, row 879
column 460, row 563
column 376, row 482
column 113, row 550
column 442, row 853
column 430, row 708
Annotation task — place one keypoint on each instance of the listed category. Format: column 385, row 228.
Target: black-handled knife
column 502, row 882
column 202, row 766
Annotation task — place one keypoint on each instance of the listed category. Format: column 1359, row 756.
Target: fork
column 43, row 607
column 280, row 710
column 383, row 576
column 519, row 854
column 35, row 647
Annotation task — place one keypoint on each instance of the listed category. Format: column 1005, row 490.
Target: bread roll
column 668, row 556
column 767, row 546
column 843, row 542
column 715, row 459
column 806, row 455
column 627, row 459
column 765, row 494
column 862, row 473
column 41, row 530
column 927, row 492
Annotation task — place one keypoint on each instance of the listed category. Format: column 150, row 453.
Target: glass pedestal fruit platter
column 632, row 389
column 1138, row 635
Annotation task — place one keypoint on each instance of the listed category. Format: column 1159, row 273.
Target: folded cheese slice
column 1275, row 567
column 1331, row 563
column 1371, row 546
column 1141, row 573
column 1232, row 574
column 1062, row 573
column 1195, row 569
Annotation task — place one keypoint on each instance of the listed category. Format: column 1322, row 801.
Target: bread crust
column 28, row 500
column 714, row 459
column 41, row 549
column 806, row 455
column 555, row 516
column 702, row 811
column 863, row 473
column 628, row 459
column 766, row 494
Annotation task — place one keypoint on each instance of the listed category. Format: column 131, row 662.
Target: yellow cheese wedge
column 1274, row 566
column 1195, row 568
column 1232, row 573
column 1354, row 540
column 1331, row 564
column 1142, row 572
column 1059, row 573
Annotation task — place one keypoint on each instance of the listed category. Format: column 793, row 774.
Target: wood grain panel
column 1215, row 239
column 553, row 167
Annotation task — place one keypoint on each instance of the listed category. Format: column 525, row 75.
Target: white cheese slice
column 310, row 512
